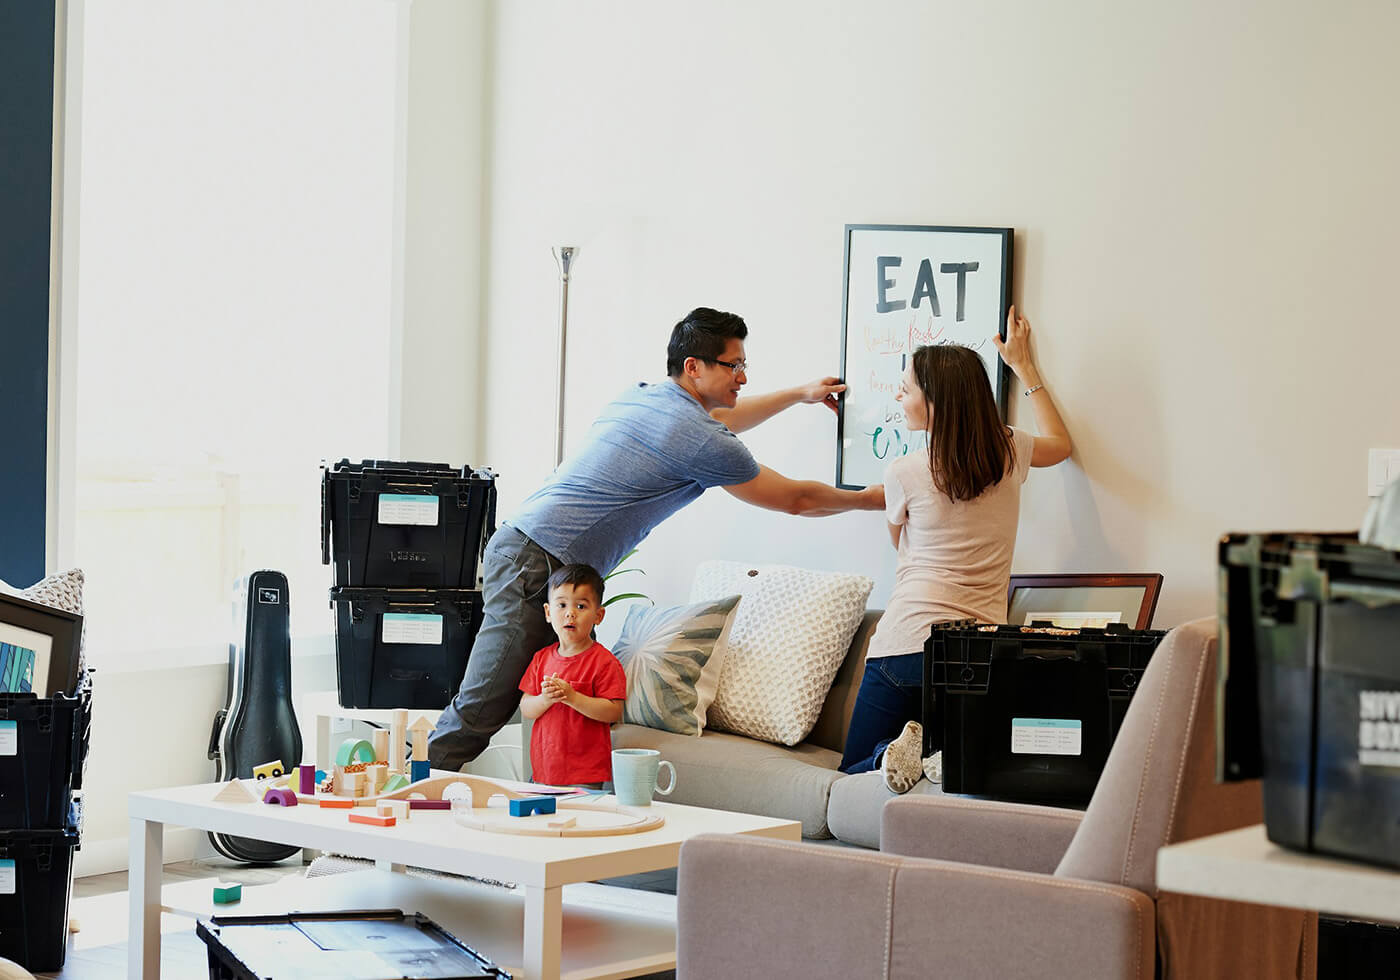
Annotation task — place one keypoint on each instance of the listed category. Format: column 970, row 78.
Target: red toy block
column 337, row 804
column 373, row 819
column 430, row 804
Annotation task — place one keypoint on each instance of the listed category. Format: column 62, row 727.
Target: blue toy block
column 531, row 804
column 320, row 776
column 419, row 769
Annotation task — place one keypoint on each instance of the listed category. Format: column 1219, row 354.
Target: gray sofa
column 733, row 772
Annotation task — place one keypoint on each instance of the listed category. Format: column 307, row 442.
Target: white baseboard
column 100, row 857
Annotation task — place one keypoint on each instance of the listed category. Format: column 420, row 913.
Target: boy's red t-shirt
column 565, row 746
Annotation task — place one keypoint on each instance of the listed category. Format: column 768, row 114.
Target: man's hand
column 824, row 390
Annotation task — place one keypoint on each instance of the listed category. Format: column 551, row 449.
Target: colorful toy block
column 280, row 797
column 331, row 803
column 354, row 750
column 429, row 804
column 373, row 819
column 307, row 781
column 419, row 769
column 532, row 804
column 269, row 770
column 227, row 892
column 395, row 782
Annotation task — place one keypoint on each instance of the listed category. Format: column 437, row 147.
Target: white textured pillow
column 61, row 590
column 788, row 640
column 672, row 658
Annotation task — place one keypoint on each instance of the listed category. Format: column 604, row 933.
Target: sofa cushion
column 791, row 634
column 672, row 658
column 832, row 724
column 730, row 772
column 853, row 813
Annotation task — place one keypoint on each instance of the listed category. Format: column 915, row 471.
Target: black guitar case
column 258, row 723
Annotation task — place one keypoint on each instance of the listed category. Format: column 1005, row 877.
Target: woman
column 952, row 518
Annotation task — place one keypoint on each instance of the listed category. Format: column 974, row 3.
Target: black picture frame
column 64, row 631
column 1139, row 617
column 867, row 374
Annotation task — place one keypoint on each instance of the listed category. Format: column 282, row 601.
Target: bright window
column 235, row 314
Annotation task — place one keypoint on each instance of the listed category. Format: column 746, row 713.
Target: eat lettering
column 923, row 285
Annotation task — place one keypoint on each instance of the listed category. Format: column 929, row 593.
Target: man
column 649, row 453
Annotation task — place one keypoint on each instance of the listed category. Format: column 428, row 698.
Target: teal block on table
column 419, row 769
column 227, row 894
column 532, row 804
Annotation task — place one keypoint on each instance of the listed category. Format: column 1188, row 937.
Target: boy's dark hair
column 703, row 334
column 576, row 575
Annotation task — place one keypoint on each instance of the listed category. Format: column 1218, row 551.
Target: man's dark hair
column 703, row 334
column 576, row 575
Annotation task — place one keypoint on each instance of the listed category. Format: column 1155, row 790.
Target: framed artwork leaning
column 39, row 648
column 1073, row 601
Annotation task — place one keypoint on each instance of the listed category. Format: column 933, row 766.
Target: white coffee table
column 541, row 867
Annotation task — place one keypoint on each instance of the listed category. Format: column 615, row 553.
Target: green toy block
column 227, row 893
column 396, row 781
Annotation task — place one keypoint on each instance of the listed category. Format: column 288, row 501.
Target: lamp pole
column 564, row 255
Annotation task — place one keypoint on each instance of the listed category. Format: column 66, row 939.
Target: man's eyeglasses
column 738, row 367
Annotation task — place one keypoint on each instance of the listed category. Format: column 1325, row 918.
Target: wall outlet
column 1382, row 466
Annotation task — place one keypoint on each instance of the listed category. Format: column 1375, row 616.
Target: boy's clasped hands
column 555, row 689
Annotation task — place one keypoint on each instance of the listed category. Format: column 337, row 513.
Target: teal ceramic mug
column 636, row 775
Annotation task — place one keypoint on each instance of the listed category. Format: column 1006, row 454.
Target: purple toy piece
column 430, row 804
column 280, row 797
column 308, row 779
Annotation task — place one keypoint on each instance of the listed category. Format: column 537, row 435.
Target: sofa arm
column 982, row 832
column 749, row 907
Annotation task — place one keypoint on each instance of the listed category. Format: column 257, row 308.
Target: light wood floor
column 99, row 950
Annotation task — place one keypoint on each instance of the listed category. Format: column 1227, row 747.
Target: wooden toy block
column 420, row 731
column 373, row 819
column 235, row 791
column 420, row 770
column 378, row 776
column 306, row 782
column 269, row 770
column 280, row 797
column 380, row 738
column 354, row 750
column 227, row 892
column 398, row 732
column 563, row 823
column 337, row 804
column 429, row 804
column 532, row 804
column 395, row 782
column 397, row 809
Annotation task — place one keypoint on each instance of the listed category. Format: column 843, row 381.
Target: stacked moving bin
column 406, row 541
column 1029, row 712
column 43, row 745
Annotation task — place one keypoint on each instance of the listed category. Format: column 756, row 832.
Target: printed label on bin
column 9, row 738
column 412, row 628
column 408, row 508
column 1378, row 740
column 1046, row 736
column 7, row 877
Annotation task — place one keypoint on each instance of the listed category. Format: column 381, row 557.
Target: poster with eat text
column 907, row 286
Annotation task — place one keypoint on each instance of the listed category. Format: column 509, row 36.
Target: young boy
column 574, row 688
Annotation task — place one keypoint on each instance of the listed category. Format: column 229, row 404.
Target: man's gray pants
column 516, row 573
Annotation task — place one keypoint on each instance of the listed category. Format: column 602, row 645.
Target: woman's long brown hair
column 969, row 447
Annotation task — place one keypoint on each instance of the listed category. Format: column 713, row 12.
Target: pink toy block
column 308, row 779
column 280, row 797
column 430, row 804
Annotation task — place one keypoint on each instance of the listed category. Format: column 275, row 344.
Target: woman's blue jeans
column 891, row 693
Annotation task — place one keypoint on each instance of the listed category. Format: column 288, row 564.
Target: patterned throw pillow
column 790, row 636
column 672, row 658
column 61, row 590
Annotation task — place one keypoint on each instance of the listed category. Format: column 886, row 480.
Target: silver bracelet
column 1033, row 389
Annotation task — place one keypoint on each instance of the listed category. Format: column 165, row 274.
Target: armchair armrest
column 981, row 832
column 753, row 907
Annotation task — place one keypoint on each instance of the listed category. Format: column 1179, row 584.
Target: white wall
column 1204, row 203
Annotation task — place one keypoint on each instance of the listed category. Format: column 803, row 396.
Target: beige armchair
column 969, row 889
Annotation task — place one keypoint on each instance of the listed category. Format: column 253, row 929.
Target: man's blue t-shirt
column 650, row 452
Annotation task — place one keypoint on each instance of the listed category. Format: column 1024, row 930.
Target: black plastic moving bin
column 371, row 945
column 1310, row 685
column 403, row 648
column 49, row 738
column 36, row 880
column 405, row 525
column 1029, row 713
